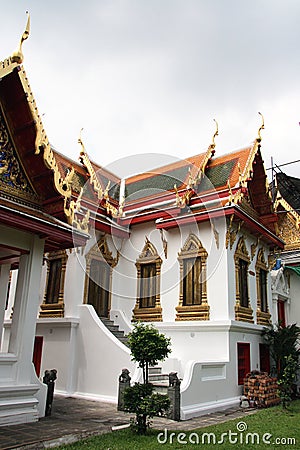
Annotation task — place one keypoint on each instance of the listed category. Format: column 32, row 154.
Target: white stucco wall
column 100, row 358
column 56, row 349
column 293, row 305
column 74, row 282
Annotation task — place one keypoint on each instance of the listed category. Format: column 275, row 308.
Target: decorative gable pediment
column 192, row 247
column 149, row 253
column 241, row 250
column 280, row 283
column 101, row 251
column 14, row 181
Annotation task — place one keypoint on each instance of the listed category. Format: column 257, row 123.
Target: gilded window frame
column 55, row 309
column 99, row 252
column 149, row 255
column 262, row 317
column 193, row 248
column 242, row 313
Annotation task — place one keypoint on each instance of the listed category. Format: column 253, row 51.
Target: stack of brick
column 261, row 389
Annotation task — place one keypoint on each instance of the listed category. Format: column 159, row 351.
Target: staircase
column 159, row 380
column 115, row 330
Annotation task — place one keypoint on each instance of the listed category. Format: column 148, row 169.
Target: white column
column 71, row 385
column 4, row 281
column 26, row 309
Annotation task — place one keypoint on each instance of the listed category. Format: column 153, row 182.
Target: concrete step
column 160, row 388
column 115, row 330
column 158, row 377
column 155, row 370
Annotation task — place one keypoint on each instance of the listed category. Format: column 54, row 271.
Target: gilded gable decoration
column 254, row 248
column 193, row 290
column 232, row 232
column 13, row 179
column 42, row 145
column 72, row 208
column 164, row 243
column 102, row 194
column 101, row 250
column 216, row 234
column 193, row 180
column 41, row 142
column 241, row 250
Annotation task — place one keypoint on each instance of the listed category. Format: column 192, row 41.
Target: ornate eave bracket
column 232, row 232
column 102, row 194
column 72, row 209
column 193, row 180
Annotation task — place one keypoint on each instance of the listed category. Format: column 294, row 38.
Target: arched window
column 147, row 308
column 193, row 294
column 243, row 311
column 263, row 316
column 99, row 265
column 53, row 305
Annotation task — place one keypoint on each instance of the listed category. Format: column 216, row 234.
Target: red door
column 264, row 358
column 281, row 313
column 243, row 354
column 37, row 354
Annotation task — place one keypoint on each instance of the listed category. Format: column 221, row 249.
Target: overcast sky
column 149, row 76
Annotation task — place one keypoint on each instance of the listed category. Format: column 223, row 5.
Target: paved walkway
column 73, row 419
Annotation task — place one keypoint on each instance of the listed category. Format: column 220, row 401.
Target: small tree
column 283, row 342
column 147, row 346
column 141, row 400
column 287, row 380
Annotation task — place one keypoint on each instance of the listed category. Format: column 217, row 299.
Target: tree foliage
column 141, row 400
column 148, row 346
column 288, row 378
column 283, row 342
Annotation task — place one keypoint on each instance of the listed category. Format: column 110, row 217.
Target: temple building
column 286, row 273
column 84, row 254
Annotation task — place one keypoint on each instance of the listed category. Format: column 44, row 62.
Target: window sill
column 52, row 310
column 193, row 312
column 243, row 314
column 263, row 318
column 147, row 314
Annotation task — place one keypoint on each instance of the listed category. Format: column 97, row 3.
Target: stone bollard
column 174, row 396
column 124, row 383
column 49, row 379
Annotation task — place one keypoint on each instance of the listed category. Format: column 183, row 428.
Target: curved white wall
column 100, row 358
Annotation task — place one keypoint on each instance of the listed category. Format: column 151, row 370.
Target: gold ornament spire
column 17, row 55
column 213, row 144
column 262, row 127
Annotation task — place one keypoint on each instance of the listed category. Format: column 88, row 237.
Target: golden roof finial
column 17, row 55
column 213, row 144
column 262, row 127
column 80, row 142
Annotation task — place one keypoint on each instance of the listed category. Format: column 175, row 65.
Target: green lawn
column 274, row 426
